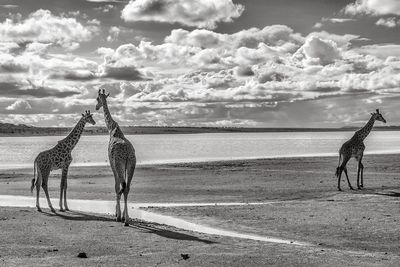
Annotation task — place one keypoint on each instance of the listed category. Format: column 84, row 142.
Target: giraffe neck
column 73, row 137
column 364, row 131
column 110, row 123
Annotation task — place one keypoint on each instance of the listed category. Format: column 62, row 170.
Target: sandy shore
column 346, row 228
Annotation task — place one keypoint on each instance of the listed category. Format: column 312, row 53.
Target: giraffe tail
column 338, row 167
column 34, row 177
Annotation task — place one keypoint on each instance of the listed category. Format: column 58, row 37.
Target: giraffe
column 121, row 155
column 355, row 148
column 59, row 157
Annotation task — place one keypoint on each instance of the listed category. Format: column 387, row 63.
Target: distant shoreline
column 11, row 130
column 211, row 162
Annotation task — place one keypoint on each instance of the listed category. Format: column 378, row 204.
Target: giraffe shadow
column 170, row 234
column 378, row 191
column 389, row 194
column 78, row 216
column 143, row 226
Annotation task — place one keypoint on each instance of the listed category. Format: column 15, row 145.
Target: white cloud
column 381, row 51
column 198, row 77
column 324, row 20
column 279, row 36
column 113, row 34
column 340, row 40
column 105, row 8
column 9, row 6
column 388, row 22
column 194, row 13
column 19, row 105
column 337, row 20
column 6, row 47
column 94, row 22
column 319, row 51
column 37, row 48
column 44, row 27
column 318, row 25
column 373, row 7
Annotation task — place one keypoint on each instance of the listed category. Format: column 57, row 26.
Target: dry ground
column 347, row 228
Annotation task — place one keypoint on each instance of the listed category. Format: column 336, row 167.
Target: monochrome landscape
column 199, row 133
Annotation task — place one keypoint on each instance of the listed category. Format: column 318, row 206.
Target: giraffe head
column 101, row 99
column 378, row 116
column 87, row 117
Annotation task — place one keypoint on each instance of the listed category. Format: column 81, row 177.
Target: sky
column 240, row 63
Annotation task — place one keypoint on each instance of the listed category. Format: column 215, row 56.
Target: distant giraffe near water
column 59, row 157
column 121, row 155
column 355, row 148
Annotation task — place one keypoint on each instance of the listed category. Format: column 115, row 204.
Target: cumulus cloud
column 388, row 22
column 244, row 71
column 44, row 27
column 37, row 48
column 337, row 20
column 275, row 35
column 19, row 105
column 113, row 34
column 248, row 70
column 7, row 47
column 319, row 51
column 383, row 51
column 269, row 76
column 184, row 51
column 373, row 7
column 340, row 40
column 9, row 6
column 325, row 20
column 74, row 75
column 120, row 72
column 194, row 13
column 198, row 77
column 9, row 65
column 14, row 89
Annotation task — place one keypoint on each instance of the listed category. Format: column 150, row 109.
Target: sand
column 346, row 228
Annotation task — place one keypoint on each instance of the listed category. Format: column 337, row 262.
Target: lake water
column 172, row 148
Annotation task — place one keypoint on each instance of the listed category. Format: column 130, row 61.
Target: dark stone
column 82, row 255
column 185, row 256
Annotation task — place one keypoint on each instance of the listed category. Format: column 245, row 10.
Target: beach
column 298, row 200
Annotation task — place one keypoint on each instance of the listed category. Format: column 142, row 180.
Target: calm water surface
column 170, row 148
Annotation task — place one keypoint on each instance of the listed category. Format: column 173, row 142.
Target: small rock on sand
column 185, row 256
column 82, row 255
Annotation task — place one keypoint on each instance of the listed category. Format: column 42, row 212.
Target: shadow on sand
column 378, row 191
column 155, row 229
column 78, row 216
column 143, row 226
column 389, row 194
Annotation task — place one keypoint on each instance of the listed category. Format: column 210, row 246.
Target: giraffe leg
column 358, row 174
column 117, row 205
column 44, row 186
column 64, row 174
column 362, row 175
column 117, row 190
column 126, row 216
column 342, row 168
column 61, row 193
column 38, row 185
column 120, row 167
column 130, row 170
column 347, row 177
column 339, row 177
